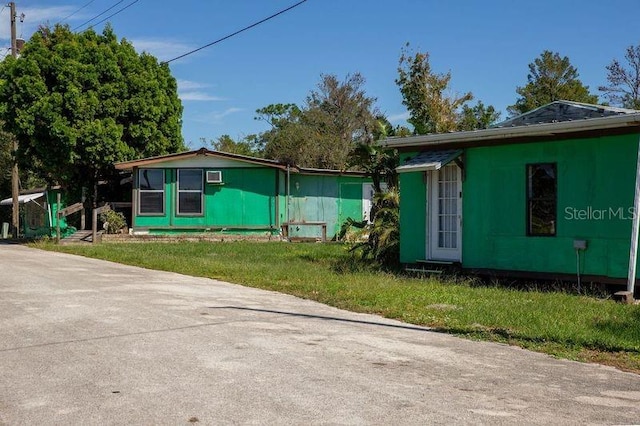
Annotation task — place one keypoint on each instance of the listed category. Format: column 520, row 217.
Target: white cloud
column 187, row 85
column 395, row 118
column 216, row 116
column 193, row 91
column 161, row 48
column 198, row 96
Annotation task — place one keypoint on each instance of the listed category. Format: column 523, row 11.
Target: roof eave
column 129, row 165
column 502, row 133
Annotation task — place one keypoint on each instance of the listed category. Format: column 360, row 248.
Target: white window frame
column 142, row 191
column 201, row 192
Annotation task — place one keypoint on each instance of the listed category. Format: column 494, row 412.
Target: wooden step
column 435, row 262
column 424, row 271
column 78, row 237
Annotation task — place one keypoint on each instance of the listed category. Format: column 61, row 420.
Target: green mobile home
column 546, row 194
column 212, row 191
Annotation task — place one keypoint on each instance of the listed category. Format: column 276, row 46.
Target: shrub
column 113, row 221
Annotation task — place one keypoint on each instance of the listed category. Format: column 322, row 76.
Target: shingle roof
column 559, row 111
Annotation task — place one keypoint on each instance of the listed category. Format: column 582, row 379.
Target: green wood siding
column 595, row 189
column 413, row 208
column 246, row 198
column 324, row 198
column 595, row 181
column 255, row 198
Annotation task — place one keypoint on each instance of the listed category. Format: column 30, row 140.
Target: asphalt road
column 84, row 341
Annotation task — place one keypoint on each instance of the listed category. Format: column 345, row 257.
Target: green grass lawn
column 564, row 325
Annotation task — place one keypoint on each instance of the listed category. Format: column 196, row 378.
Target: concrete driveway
column 84, row 341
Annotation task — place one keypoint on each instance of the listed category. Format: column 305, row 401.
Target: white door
column 445, row 207
column 367, row 199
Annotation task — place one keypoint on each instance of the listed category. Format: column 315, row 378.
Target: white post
column 633, row 252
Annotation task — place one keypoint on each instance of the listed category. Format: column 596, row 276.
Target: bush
column 378, row 241
column 113, row 221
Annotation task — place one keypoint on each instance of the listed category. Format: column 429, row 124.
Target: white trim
column 435, row 252
column 217, row 179
column 501, row 133
column 22, row 199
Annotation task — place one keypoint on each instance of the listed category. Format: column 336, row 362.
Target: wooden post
column 15, row 177
column 58, row 218
column 94, row 225
column 83, row 221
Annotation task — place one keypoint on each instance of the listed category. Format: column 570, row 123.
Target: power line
column 98, row 15
column 6, row 53
column 77, row 10
column 115, row 13
column 255, row 24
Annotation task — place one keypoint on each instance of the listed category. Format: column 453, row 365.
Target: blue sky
column 486, row 45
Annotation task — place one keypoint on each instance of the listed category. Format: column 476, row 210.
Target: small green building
column 546, row 194
column 212, row 191
column 38, row 208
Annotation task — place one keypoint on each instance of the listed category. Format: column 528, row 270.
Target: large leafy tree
column 324, row 132
column 428, row 97
column 425, row 93
column 624, row 81
column 477, row 117
column 78, row 102
column 551, row 78
column 249, row 145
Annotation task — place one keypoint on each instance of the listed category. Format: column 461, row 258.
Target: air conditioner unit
column 214, row 176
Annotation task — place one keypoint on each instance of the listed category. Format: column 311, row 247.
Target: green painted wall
column 595, row 185
column 323, row 198
column 247, row 198
column 413, row 207
column 596, row 180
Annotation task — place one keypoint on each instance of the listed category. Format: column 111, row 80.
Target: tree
column 80, row 102
column 624, row 83
column 551, row 78
column 248, row 146
column 337, row 115
column 425, row 95
column 477, row 117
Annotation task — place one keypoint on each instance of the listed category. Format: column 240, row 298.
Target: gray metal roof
column 560, row 111
column 498, row 135
column 429, row 160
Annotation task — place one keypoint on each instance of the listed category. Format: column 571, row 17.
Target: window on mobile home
column 542, row 199
column 151, row 191
column 190, row 192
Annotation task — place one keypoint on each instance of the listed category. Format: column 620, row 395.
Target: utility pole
column 15, row 178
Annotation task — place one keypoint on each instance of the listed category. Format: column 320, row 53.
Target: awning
column 429, row 160
column 22, row 199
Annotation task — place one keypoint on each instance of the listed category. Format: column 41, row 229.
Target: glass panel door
column 446, row 213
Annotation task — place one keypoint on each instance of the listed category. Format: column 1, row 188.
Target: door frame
column 432, row 226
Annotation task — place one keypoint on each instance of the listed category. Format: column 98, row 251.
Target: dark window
column 151, row 191
column 542, row 199
column 190, row 191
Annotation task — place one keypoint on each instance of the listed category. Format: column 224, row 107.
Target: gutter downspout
column 633, row 250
